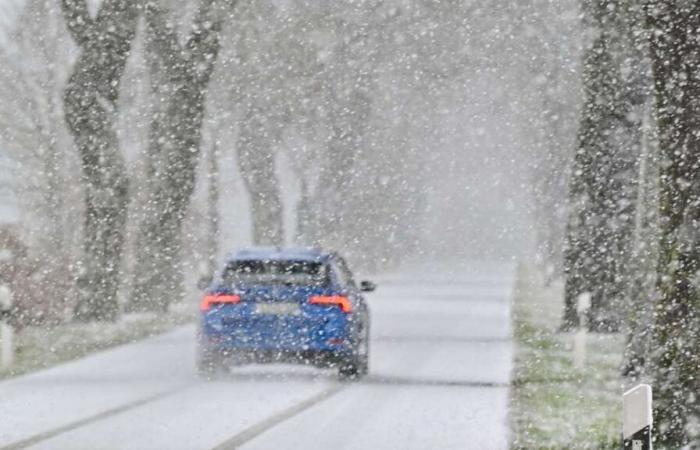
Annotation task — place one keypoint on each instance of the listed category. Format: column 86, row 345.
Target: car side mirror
column 204, row 282
column 367, row 286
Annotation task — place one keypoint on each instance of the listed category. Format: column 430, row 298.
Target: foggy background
column 438, row 130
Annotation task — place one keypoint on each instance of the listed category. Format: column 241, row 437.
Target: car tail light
column 332, row 300
column 218, row 299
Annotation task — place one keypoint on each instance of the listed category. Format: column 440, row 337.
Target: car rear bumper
column 282, row 335
column 320, row 358
column 269, row 343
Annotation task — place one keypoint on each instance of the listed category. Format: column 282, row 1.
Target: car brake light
column 332, row 300
column 218, row 299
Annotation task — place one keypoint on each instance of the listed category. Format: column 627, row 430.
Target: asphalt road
column 439, row 372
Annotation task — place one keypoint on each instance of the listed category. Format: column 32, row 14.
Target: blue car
column 285, row 305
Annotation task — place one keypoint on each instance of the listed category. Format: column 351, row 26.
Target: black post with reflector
column 637, row 418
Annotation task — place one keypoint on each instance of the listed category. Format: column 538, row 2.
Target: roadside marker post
column 637, row 418
column 7, row 351
column 583, row 304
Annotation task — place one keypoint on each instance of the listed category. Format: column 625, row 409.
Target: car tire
column 209, row 365
column 357, row 364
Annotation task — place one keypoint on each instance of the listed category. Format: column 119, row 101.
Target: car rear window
column 297, row 273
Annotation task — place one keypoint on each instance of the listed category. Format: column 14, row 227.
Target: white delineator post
column 582, row 306
column 637, row 418
column 7, row 351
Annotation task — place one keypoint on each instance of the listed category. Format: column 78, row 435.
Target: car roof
column 279, row 254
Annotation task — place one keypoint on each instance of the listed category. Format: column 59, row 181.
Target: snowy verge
column 41, row 347
column 553, row 404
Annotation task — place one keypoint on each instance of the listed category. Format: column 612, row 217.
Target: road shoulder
column 45, row 346
column 553, row 404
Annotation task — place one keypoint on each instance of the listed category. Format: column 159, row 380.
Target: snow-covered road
column 440, row 367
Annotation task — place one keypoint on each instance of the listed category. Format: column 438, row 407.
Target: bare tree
column 256, row 160
column 332, row 215
column 262, row 46
column 90, row 103
column 675, row 52
column 348, row 121
column 180, row 74
column 603, row 184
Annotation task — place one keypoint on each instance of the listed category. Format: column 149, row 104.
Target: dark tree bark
column 180, row 76
column 337, row 217
column 675, row 51
column 336, row 202
column 603, row 182
column 256, row 161
column 586, row 255
column 90, row 102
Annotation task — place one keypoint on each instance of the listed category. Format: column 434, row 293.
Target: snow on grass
column 553, row 404
column 41, row 347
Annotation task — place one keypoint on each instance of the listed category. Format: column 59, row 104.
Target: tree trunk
column 330, row 224
column 337, row 197
column 586, row 246
column 180, row 76
column 256, row 160
column 603, row 185
column 90, row 102
column 676, row 361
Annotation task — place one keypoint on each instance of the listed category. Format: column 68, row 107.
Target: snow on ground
column 440, row 368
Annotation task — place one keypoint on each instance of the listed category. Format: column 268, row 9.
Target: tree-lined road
column 439, row 374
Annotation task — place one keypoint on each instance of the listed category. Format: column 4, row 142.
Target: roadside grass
column 41, row 347
column 553, row 404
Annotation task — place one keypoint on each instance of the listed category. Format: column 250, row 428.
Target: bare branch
column 78, row 20
column 203, row 43
column 162, row 39
column 116, row 17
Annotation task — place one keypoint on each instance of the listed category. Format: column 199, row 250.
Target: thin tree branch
column 78, row 21
column 203, row 44
column 162, row 39
column 115, row 17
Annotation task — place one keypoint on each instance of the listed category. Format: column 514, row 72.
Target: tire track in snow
column 37, row 438
column 259, row 428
